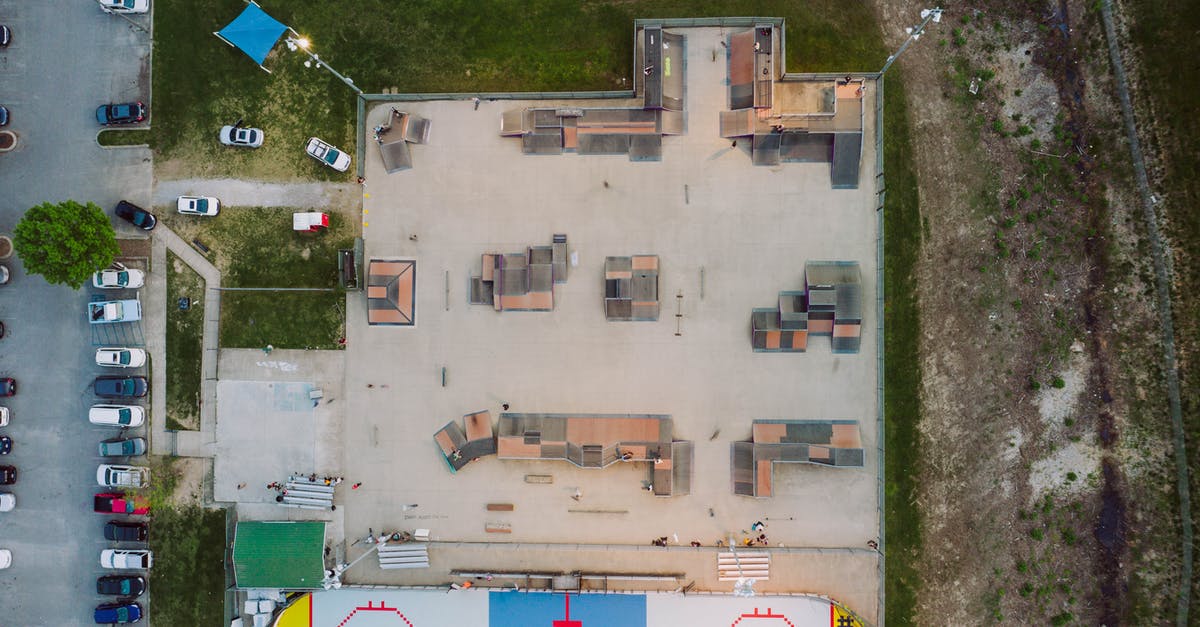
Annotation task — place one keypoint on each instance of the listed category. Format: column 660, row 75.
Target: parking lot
column 65, row 59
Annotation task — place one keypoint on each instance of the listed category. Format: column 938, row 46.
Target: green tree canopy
column 65, row 242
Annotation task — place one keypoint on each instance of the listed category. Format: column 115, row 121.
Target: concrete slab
column 267, row 426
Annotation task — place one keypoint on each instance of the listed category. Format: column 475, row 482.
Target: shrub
column 1058, row 383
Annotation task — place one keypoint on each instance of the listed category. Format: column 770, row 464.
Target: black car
column 126, row 531
column 121, row 585
column 120, row 387
column 135, row 215
column 121, row 113
column 5, row 36
column 5, row 445
column 8, row 475
column 8, row 386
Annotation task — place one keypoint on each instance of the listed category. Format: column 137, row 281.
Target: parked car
column 198, row 205
column 128, row 447
column 4, row 414
column 117, row 476
column 8, row 475
column 117, row 415
column 8, row 386
column 112, row 279
column 120, row 387
column 5, row 445
column 121, row 357
column 120, row 531
column 119, row 613
column 109, row 503
column 111, row 311
column 121, row 585
column 327, row 154
column 126, row 559
column 3, row 116
column 237, row 136
column 124, row 6
column 121, row 113
column 8, row 501
column 5, row 558
column 5, row 36
column 135, row 215
column 5, row 275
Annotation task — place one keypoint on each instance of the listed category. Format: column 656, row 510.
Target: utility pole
column 928, row 15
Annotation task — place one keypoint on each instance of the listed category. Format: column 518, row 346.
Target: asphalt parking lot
column 65, row 59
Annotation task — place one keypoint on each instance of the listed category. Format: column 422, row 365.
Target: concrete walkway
column 239, row 193
column 189, row 443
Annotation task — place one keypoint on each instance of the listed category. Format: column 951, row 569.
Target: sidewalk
column 187, row 443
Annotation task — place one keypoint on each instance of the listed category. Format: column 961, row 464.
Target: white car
column 238, row 136
column 116, row 476
column 117, row 415
column 134, row 559
column 327, row 154
column 124, row 6
column 3, row 416
column 121, row 357
column 112, row 279
column 199, row 205
column 7, row 501
column 5, row 558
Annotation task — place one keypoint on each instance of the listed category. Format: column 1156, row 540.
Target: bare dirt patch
column 1024, row 491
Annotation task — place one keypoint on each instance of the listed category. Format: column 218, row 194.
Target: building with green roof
column 284, row 555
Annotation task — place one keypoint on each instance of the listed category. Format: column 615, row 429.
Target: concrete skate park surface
column 730, row 236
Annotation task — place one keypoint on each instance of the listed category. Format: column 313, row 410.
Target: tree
column 65, row 242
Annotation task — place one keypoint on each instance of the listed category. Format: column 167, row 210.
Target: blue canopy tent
column 253, row 32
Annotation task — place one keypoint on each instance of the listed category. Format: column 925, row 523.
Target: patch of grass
column 902, row 407
column 256, row 246
column 188, row 578
column 118, row 137
column 1160, row 34
column 184, row 345
column 282, row 319
column 201, row 84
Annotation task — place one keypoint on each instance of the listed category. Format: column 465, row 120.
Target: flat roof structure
column 279, row 554
column 726, row 235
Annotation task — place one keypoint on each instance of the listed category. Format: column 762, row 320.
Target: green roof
column 287, row 555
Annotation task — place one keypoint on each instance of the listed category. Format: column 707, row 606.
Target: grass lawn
column 187, row 582
column 282, row 319
column 256, row 247
column 184, row 345
column 201, row 84
column 902, row 379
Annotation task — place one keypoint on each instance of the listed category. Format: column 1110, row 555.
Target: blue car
column 123, row 113
column 121, row 612
column 120, row 387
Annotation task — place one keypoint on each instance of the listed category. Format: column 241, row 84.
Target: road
column 66, row 58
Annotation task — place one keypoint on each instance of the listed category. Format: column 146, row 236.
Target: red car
column 120, row 504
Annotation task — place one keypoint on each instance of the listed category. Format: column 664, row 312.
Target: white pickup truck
column 113, row 476
column 103, row 312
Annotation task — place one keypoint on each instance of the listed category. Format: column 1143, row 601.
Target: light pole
column 914, row 34
column 302, row 43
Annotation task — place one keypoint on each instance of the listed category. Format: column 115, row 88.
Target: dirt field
column 1046, row 491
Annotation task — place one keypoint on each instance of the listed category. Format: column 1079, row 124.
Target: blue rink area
column 506, row 609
